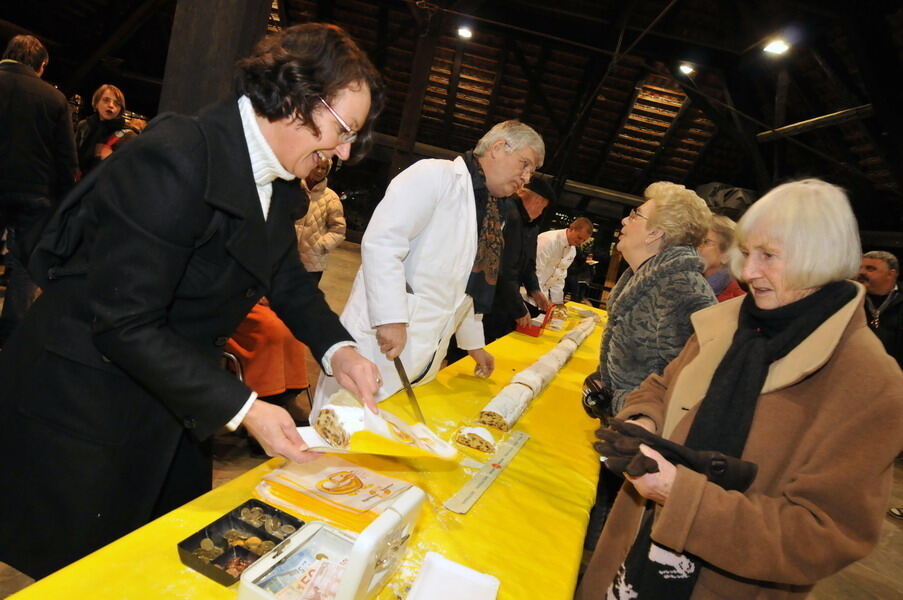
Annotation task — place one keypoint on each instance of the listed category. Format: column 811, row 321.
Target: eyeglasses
column 350, row 134
column 635, row 214
column 526, row 165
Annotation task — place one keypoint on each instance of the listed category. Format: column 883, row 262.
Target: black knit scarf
column 723, row 421
column 490, row 221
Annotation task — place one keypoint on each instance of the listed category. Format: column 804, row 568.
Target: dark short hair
column 291, row 69
column 540, row 185
column 27, row 49
column 889, row 259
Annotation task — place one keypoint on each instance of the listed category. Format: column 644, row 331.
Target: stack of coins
column 208, row 551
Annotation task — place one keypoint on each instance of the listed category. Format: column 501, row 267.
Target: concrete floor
column 877, row 577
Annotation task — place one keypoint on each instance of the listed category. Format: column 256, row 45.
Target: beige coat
column 321, row 229
column 827, row 428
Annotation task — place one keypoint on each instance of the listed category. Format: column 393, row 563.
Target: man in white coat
column 555, row 251
column 430, row 258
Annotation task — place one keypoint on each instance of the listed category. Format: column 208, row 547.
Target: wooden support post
column 611, row 276
column 452, row 93
column 780, row 117
column 410, row 114
column 208, row 36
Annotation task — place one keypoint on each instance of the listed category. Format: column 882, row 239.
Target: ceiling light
column 686, row 69
column 777, row 47
column 465, row 32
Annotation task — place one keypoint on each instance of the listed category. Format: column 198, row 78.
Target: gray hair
column 890, row 259
column 812, row 220
column 516, row 136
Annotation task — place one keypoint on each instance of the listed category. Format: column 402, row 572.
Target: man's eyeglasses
column 635, row 214
column 350, row 134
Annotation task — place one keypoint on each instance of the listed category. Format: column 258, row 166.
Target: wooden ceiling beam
column 114, row 41
column 535, row 91
column 878, row 63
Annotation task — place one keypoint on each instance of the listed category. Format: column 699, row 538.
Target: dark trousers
column 24, row 217
column 496, row 325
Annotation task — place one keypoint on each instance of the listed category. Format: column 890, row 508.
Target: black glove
column 597, row 398
column 617, row 444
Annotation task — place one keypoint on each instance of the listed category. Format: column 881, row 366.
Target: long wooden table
column 527, row 529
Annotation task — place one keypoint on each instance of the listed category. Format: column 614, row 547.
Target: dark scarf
column 484, row 275
column 96, row 131
column 725, row 416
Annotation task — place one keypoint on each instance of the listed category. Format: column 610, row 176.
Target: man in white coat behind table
column 430, row 259
column 555, row 251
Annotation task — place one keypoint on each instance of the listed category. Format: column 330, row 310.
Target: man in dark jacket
column 879, row 272
column 519, row 261
column 37, row 164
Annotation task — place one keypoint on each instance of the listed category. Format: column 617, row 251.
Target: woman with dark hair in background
column 112, row 384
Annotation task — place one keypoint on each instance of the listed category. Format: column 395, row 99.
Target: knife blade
column 409, row 390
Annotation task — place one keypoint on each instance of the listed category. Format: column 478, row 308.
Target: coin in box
column 234, row 561
column 235, row 540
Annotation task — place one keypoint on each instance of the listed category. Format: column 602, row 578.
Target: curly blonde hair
column 681, row 214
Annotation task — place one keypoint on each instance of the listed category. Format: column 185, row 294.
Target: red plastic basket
column 535, row 330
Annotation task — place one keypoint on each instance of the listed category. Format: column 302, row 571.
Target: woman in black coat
column 112, row 382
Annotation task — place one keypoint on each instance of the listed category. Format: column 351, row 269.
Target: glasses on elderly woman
column 635, row 214
column 350, row 134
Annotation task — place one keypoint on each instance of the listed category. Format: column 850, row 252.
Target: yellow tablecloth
column 527, row 529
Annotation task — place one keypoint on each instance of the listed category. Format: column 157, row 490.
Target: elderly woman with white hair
column 780, row 451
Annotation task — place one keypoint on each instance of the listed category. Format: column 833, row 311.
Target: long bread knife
column 409, row 390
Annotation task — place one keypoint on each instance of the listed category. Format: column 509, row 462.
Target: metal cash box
column 237, row 540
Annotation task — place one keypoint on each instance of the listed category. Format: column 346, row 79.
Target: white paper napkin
column 444, row 579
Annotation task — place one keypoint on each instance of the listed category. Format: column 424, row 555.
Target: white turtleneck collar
column 264, row 164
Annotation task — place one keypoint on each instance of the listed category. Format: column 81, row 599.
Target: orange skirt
column 270, row 356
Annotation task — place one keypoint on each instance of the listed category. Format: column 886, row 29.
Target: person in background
column 37, row 165
column 430, row 258
column 113, row 384
column 879, row 273
column 555, row 251
column 323, row 226
column 105, row 130
column 519, row 261
column 775, row 379
column 714, row 251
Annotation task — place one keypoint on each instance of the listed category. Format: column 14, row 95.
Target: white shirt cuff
column 240, row 416
column 327, row 358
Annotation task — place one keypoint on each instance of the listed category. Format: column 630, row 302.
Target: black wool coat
column 113, row 377
column 37, row 145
